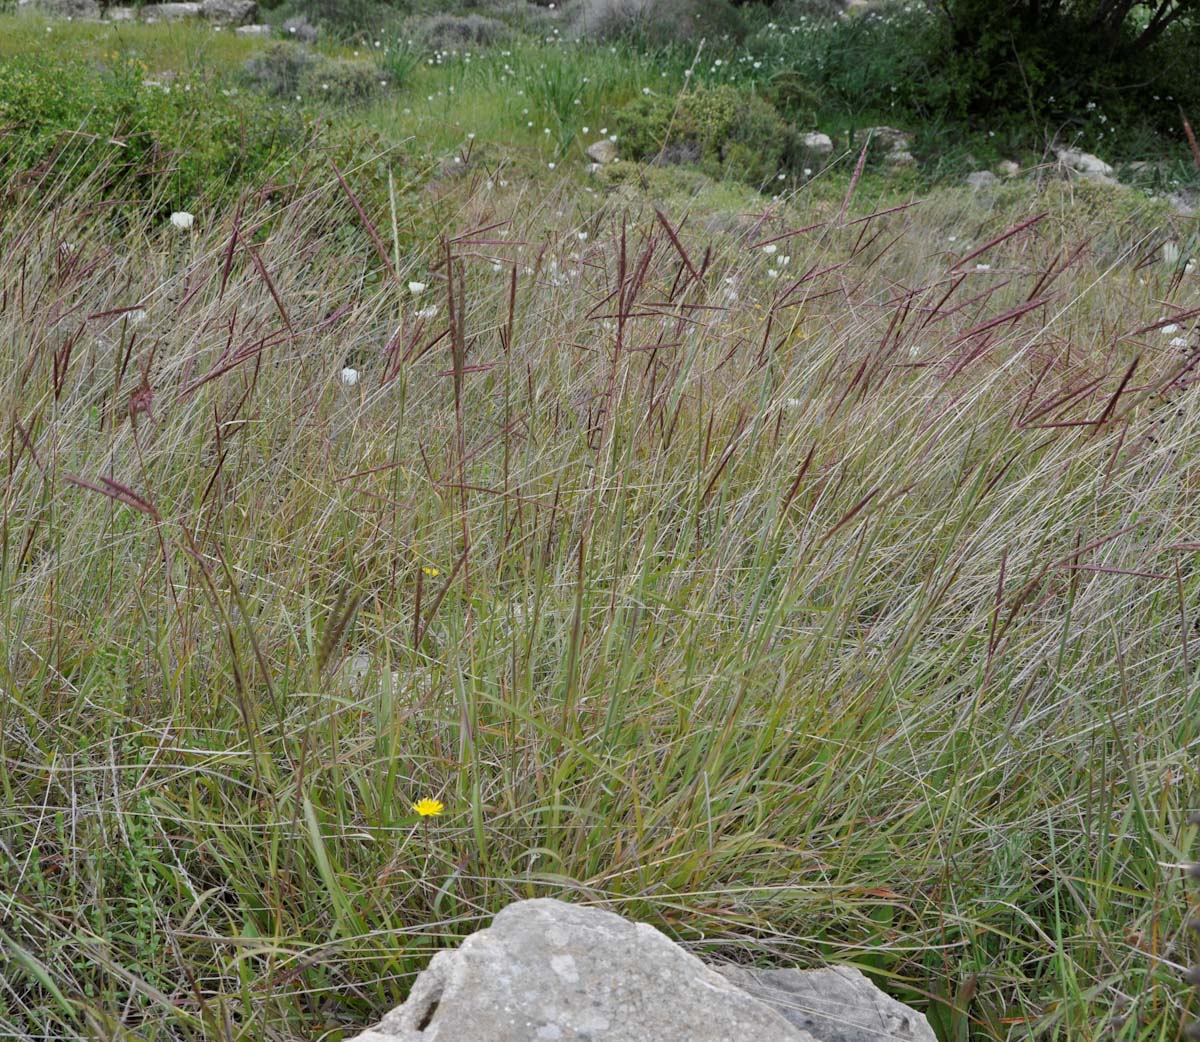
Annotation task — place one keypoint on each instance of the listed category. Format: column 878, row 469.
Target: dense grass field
column 811, row 574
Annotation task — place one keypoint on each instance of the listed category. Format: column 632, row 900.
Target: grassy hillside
column 810, row 573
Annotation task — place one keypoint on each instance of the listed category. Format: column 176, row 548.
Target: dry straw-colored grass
column 845, row 614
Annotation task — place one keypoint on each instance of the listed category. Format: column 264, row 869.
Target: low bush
column 730, row 132
column 343, row 19
column 345, row 80
column 447, row 32
column 288, row 70
column 280, row 69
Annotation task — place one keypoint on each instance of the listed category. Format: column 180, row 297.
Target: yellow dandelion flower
column 428, row 808
column 432, row 571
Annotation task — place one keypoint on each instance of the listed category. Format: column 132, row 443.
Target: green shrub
column 794, row 97
column 642, row 125
column 287, row 70
column 730, row 132
column 343, row 80
column 280, row 69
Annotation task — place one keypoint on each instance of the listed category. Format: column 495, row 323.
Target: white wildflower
column 349, row 376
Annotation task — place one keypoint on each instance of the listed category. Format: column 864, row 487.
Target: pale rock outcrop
column 1085, row 165
column 602, row 151
column 547, row 971
column 229, row 12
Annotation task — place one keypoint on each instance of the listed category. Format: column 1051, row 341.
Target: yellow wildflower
column 428, row 808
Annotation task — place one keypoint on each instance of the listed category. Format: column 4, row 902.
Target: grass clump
column 813, row 577
column 839, row 538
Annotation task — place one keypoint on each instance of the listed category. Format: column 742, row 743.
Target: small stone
column 900, row 158
column 818, row 144
column 1007, row 168
column 1085, row 165
column 890, row 138
column 602, row 151
column 982, row 179
column 253, row 30
column 1184, row 202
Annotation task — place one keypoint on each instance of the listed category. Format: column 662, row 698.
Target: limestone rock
column 1184, row 201
column 982, row 179
column 69, row 8
column 253, row 30
column 900, row 158
column 836, row 1004
column 546, row 971
column 602, row 151
column 1085, row 165
column 1007, row 168
column 171, row 12
column 890, row 138
column 121, row 14
column 229, row 12
column 818, row 144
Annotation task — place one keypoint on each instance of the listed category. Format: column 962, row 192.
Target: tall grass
column 842, row 613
